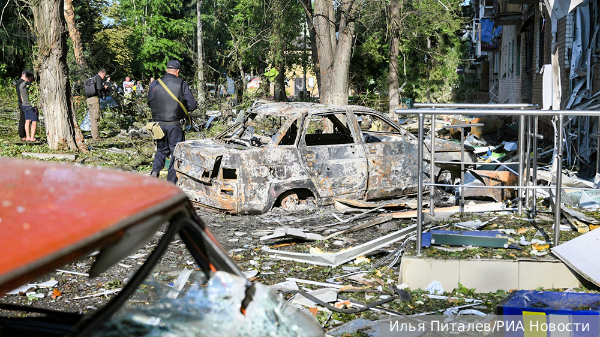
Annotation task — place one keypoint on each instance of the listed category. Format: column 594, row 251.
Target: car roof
column 295, row 109
column 52, row 214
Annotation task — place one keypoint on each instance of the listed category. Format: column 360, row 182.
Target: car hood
column 202, row 158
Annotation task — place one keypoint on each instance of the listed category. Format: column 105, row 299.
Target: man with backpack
column 94, row 88
column 171, row 101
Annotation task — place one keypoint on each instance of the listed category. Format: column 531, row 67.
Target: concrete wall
column 486, row 275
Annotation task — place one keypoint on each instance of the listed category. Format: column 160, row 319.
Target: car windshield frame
column 244, row 133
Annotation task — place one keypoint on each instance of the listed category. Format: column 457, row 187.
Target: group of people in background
column 169, row 98
column 105, row 88
column 29, row 115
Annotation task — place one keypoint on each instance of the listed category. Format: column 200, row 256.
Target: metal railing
column 523, row 178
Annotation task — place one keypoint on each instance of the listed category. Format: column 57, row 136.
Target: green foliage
column 16, row 39
column 429, row 52
column 137, row 37
column 158, row 32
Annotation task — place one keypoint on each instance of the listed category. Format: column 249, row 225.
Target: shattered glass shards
column 211, row 310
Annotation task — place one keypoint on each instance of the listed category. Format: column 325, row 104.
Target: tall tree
column 200, row 61
column 394, row 30
column 55, row 89
column 74, row 34
column 278, row 49
column 334, row 47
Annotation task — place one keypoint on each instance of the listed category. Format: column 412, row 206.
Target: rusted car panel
column 311, row 150
column 246, row 181
column 51, row 212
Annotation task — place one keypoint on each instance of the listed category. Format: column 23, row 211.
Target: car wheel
column 289, row 201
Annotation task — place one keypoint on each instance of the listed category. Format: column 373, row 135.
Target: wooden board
column 488, row 207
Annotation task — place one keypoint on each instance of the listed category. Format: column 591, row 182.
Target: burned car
column 283, row 153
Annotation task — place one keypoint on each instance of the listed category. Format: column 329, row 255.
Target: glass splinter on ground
column 211, row 308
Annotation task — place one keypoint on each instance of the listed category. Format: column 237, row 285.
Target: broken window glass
column 210, row 307
column 328, row 129
column 291, row 134
column 256, row 130
column 376, row 129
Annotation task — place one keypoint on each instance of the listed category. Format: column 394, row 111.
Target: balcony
column 507, row 12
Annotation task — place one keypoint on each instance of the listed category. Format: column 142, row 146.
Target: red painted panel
column 45, row 208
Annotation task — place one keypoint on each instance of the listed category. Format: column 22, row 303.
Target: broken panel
column 392, row 161
column 333, row 159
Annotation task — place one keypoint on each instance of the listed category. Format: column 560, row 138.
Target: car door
column 332, row 156
column 391, row 156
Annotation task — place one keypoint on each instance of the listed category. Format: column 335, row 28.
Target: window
column 290, row 135
column 328, row 129
column 518, row 56
column 512, row 58
column 375, row 129
column 541, row 44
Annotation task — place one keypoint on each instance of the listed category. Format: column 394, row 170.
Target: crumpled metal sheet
column 492, row 178
column 344, row 256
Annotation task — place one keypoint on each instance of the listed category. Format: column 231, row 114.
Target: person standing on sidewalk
column 30, row 112
column 93, row 103
column 18, row 83
column 171, row 101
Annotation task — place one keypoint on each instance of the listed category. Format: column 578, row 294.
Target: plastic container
column 550, row 303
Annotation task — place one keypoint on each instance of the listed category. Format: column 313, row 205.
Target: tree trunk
column 201, row 86
column 334, row 55
column 55, row 89
column 74, row 34
column 279, row 94
column 394, row 100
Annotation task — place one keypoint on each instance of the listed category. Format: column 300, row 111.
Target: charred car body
column 285, row 152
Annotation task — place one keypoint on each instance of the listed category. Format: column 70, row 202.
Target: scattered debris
column 345, row 204
column 448, row 211
column 345, row 255
column 321, row 284
column 326, row 295
column 579, row 220
column 72, row 272
column 104, row 293
column 474, row 225
column 490, row 178
column 284, row 286
column 179, row 283
column 24, row 288
column 292, row 233
column 370, row 223
column 435, row 288
column 50, row 155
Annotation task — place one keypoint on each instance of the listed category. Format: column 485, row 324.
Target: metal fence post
column 527, row 162
column 420, row 186
column 598, row 146
column 432, row 166
column 462, row 169
column 521, row 168
column 557, row 206
column 534, row 192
